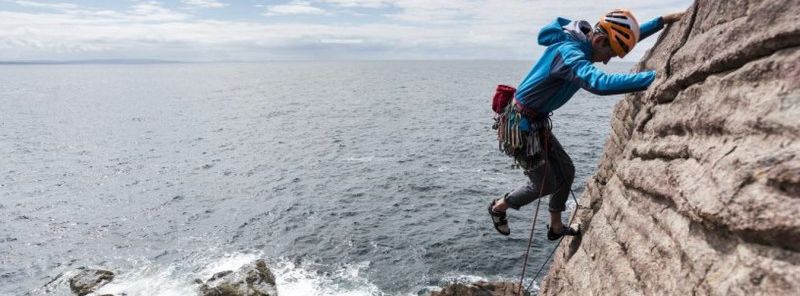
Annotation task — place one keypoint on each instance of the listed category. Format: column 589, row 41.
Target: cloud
column 341, row 41
column 59, row 6
column 204, row 3
column 359, row 3
column 293, row 8
column 402, row 29
column 146, row 11
column 153, row 11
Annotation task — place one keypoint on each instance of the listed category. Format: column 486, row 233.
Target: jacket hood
column 562, row 29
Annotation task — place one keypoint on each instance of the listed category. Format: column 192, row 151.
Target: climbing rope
column 535, row 217
column 557, row 244
column 546, row 153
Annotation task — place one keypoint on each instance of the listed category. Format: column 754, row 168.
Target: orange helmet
column 622, row 30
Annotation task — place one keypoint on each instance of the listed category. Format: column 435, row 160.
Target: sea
column 349, row 177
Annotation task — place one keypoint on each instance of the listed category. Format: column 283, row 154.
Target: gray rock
column 697, row 191
column 89, row 280
column 481, row 289
column 254, row 279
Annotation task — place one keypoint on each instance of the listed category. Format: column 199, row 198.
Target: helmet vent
column 627, row 36
column 619, row 23
column 624, row 46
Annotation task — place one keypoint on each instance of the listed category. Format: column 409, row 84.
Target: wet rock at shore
column 89, row 280
column 254, row 279
column 481, row 289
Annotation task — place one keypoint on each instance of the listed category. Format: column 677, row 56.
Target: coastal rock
column 480, row 289
column 89, row 280
column 254, row 279
column 698, row 190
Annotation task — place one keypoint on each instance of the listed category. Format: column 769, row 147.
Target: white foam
column 173, row 280
column 228, row 262
column 291, row 279
column 463, row 278
column 466, row 279
column 148, row 281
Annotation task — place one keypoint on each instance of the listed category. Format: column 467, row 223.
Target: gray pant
column 558, row 174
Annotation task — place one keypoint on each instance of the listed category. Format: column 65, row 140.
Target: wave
column 292, row 279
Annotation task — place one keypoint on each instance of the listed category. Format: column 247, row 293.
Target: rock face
column 251, row 280
column 481, row 289
column 698, row 190
column 89, row 280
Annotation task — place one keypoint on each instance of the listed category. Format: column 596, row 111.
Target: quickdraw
column 522, row 143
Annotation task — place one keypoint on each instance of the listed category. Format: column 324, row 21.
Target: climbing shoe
column 499, row 220
column 566, row 230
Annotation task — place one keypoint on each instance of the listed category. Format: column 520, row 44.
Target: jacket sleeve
column 572, row 65
column 650, row 27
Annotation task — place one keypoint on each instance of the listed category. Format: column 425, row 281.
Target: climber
column 564, row 67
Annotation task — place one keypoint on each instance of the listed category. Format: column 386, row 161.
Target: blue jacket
column 566, row 66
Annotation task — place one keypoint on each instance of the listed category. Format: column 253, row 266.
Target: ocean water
column 351, row 178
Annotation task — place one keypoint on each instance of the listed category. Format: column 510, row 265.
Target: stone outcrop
column 89, row 280
column 698, row 190
column 481, row 289
column 254, row 279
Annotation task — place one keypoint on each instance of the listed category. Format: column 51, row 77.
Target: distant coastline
column 93, row 61
column 157, row 61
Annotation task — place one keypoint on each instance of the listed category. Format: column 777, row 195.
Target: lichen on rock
column 697, row 191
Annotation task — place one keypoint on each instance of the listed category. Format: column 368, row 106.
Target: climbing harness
column 519, row 134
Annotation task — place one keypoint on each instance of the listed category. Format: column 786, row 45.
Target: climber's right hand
column 672, row 17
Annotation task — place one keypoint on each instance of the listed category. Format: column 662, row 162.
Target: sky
column 258, row 30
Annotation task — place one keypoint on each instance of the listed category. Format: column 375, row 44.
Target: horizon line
column 135, row 61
